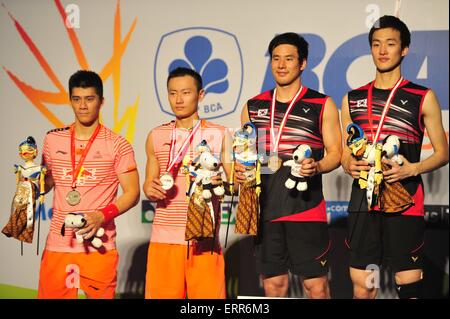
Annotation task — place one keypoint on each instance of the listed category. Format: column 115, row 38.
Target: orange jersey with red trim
column 171, row 214
column 109, row 156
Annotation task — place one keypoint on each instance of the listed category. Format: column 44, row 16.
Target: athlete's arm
column 129, row 183
column 239, row 168
column 331, row 133
column 350, row 165
column 244, row 115
column 226, row 157
column 432, row 119
column 152, row 185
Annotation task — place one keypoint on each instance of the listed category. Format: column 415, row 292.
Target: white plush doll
column 206, row 167
column 74, row 220
column 391, row 148
column 295, row 178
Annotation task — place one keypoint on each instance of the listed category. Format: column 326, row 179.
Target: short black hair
column 86, row 79
column 293, row 39
column 180, row 71
column 395, row 23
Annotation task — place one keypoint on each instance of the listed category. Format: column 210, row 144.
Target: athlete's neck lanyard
column 173, row 159
column 385, row 109
column 277, row 138
column 76, row 171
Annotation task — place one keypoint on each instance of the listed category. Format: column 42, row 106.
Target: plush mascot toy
column 30, row 182
column 245, row 153
column 75, row 220
column 391, row 147
column 361, row 149
column 206, row 167
column 394, row 197
column 390, row 197
column 201, row 216
column 295, row 179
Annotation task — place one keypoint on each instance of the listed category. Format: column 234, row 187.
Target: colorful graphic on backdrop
column 39, row 98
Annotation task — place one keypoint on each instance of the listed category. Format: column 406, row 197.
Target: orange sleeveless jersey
column 171, row 214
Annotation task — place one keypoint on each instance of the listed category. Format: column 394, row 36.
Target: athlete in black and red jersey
column 293, row 234
column 376, row 237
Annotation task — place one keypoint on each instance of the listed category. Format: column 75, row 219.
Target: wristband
column 110, row 212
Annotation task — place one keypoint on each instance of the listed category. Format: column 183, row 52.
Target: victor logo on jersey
column 215, row 54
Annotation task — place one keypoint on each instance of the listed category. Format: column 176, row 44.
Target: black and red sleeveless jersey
column 404, row 119
column 303, row 126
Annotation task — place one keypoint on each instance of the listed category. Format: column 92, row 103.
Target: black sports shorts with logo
column 385, row 239
column 299, row 247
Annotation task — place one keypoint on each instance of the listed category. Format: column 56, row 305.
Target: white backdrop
column 133, row 45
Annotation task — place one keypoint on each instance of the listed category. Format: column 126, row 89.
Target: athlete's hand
column 353, row 167
column 239, row 170
column 216, row 179
column 309, row 167
column 397, row 173
column 154, row 191
column 94, row 220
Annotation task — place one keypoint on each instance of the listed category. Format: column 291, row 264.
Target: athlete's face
column 86, row 105
column 286, row 67
column 387, row 51
column 184, row 96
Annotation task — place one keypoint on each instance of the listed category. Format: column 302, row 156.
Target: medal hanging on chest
column 166, row 178
column 275, row 161
column 73, row 197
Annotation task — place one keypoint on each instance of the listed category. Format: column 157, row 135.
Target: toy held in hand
column 30, row 182
column 74, row 220
column 206, row 167
column 244, row 149
column 200, row 208
column 245, row 153
column 362, row 150
column 391, row 147
column 295, row 179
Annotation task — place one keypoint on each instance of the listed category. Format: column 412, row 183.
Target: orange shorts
column 173, row 274
column 62, row 274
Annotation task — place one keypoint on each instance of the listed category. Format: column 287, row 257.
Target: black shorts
column 390, row 239
column 299, row 247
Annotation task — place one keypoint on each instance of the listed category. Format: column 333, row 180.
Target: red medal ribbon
column 297, row 97
column 173, row 160
column 385, row 109
column 76, row 171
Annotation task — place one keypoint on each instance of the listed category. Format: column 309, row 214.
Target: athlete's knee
column 316, row 288
column 276, row 286
column 362, row 292
column 318, row 292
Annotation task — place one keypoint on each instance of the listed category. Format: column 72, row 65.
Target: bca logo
column 215, row 55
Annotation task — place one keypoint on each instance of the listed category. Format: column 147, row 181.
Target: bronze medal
column 274, row 163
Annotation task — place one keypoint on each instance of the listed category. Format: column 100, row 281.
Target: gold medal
column 274, row 163
column 73, row 197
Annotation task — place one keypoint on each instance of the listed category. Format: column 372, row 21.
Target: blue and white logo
column 215, row 55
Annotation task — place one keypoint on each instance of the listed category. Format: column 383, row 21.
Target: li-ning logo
column 215, row 55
